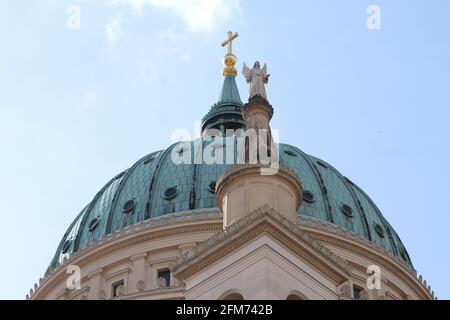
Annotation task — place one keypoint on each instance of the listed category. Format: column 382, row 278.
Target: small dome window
column 93, row 224
column 320, row 163
column 212, row 187
column 129, row 206
column 290, row 153
column 66, row 246
column 148, row 160
column 308, row 196
column 170, row 193
column 379, row 229
column 347, row 210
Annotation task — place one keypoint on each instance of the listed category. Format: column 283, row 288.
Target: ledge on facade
column 155, row 292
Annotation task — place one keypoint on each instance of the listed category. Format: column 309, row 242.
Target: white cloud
column 113, row 31
column 197, row 15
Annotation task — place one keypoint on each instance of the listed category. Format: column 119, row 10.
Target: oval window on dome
column 320, row 163
column 379, row 229
column 347, row 210
column 129, row 206
column 66, row 246
column 212, row 187
column 93, row 224
column 308, row 196
column 170, row 193
column 148, row 160
column 290, row 153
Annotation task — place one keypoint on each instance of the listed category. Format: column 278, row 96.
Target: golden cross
column 229, row 41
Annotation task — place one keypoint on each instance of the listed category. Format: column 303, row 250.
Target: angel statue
column 257, row 78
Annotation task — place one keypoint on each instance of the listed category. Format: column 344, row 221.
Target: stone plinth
column 244, row 189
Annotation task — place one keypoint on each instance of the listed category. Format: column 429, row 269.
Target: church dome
column 154, row 187
column 194, row 220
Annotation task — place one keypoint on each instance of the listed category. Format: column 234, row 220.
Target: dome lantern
column 227, row 112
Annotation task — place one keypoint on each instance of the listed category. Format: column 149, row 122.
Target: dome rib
column 147, row 214
column 66, row 234
column 319, row 179
column 148, row 210
column 361, row 212
column 396, row 245
column 386, row 225
column 354, row 200
column 151, row 197
column 113, row 206
column 192, row 198
column 92, row 205
column 350, row 184
column 82, row 224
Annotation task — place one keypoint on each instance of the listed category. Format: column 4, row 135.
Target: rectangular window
column 357, row 292
column 118, row 289
column 164, row 278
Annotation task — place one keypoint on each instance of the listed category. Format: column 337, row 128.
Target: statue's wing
column 264, row 70
column 246, row 71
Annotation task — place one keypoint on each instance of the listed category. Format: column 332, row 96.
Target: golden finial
column 230, row 59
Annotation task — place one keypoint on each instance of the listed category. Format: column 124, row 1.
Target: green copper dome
column 155, row 186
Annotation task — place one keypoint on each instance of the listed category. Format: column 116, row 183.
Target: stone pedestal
column 244, row 189
column 257, row 113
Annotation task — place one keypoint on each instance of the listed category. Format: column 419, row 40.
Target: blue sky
column 79, row 106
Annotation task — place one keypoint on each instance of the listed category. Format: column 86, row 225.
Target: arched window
column 231, row 295
column 295, row 295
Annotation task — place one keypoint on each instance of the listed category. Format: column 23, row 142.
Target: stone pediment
column 265, row 221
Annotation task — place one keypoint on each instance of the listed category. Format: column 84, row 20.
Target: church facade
column 261, row 221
